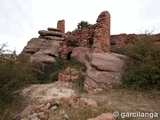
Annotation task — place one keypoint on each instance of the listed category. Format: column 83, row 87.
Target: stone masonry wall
column 61, row 25
column 124, row 39
column 83, row 38
column 78, row 38
column 96, row 37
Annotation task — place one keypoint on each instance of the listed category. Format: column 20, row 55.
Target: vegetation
column 15, row 72
column 60, row 66
column 82, row 24
column 143, row 72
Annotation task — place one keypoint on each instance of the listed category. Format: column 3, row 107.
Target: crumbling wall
column 78, row 38
column 124, row 39
column 84, row 38
column 96, row 37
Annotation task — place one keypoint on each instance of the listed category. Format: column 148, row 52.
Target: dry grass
column 115, row 100
column 121, row 100
column 125, row 100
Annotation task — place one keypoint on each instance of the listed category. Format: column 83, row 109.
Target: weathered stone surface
column 54, row 38
column 52, row 33
column 103, row 71
column 61, row 25
column 33, row 45
column 54, row 29
column 104, row 116
column 46, row 92
column 42, row 50
column 78, row 54
column 51, row 48
column 107, row 62
column 42, row 58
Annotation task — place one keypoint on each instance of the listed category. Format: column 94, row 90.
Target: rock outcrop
column 46, row 47
column 104, row 70
column 79, row 54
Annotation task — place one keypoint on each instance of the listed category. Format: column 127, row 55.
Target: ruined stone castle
column 97, row 38
column 90, row 45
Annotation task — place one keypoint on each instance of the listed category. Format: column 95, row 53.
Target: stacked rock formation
column 46, row 47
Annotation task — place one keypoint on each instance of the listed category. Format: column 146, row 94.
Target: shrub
column 15, row 72
column 143, row 72
column 82, row 24
column 60, row 66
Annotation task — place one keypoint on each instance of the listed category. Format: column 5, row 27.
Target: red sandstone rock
column 52, row 33
column 79, row 54
column 103, row 71
column 53, row 29
column 54, row 38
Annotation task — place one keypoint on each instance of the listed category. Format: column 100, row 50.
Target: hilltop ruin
column 90, row 45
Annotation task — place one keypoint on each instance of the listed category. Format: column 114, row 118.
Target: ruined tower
column 61, row 25
column 102, row 34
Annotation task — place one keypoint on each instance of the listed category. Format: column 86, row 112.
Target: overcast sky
column 20, row 20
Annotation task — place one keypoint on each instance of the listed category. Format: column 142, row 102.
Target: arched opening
column 69, row 55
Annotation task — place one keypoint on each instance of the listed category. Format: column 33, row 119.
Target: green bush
column 79, row 84
column 82, row 24
column 59, row 66
column 15, row 72
column 143, row 72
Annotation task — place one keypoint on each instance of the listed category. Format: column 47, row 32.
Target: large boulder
column 78, row 54
column 104, row 70
column 106, row 62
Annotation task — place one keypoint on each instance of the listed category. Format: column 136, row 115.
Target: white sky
column 20, row 20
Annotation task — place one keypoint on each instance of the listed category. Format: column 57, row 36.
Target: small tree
column 82, row 24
